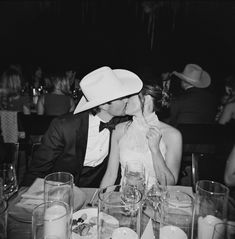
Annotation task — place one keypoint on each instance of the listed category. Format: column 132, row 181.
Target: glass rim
column 58, row 183
column 120, row 186
column 3, row 210
column 183, row 205
column 215, row 183
column 52, row 202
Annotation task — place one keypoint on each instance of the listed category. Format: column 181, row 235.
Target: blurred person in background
column 229, row 174
column 12, row 97
column 59, row 101
column 226, row 111
column 196, row 104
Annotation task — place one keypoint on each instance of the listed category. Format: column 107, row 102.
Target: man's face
column 117, row 107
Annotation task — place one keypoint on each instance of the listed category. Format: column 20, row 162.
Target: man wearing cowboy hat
column 79, row 143
column 196, row 105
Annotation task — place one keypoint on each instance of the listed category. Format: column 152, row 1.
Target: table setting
column 53, row 207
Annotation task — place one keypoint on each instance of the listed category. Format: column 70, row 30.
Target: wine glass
column 154, row 197
column 9, row 181
column 134, row 176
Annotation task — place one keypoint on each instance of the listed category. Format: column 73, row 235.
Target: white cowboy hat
column 104, row 85
column 195, row 75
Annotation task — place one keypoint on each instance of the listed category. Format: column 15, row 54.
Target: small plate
column 91, row 214
column 23, row 213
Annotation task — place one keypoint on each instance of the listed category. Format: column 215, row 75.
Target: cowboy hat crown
column 194, row 75
column 104, row 85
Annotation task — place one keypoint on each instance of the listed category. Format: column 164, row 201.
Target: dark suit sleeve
column 51, row 148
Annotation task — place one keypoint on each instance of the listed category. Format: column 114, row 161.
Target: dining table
column 19, row 229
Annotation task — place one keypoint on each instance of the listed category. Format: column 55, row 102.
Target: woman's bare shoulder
column 169, row 131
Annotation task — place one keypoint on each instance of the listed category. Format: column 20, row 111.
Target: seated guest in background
column 229, row 176
column 196, row 105
column 146, row 139
column 59, row 101
column 227, row 108
column 12, row 97
column 228, row 97
column 76, row 143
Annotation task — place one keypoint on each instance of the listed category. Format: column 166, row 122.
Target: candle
column 206, row 226
column 169, row 232
column 124, row 233
column 55, row 222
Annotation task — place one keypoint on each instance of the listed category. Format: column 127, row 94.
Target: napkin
column 148, row 232
column 36, row 191
column 35, row 195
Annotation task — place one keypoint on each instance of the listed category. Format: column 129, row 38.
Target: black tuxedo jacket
column 63, row 148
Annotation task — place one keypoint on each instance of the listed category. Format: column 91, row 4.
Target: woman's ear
column 148, row 103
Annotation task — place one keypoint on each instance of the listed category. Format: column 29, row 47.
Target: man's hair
column 96, row 110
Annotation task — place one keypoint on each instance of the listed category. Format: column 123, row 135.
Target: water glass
column 211, row 201
column 51, row 220
column 224, row 231
column 9, row 180
column 119, row 212
column 176, row 215
column 134, row 175
column 58, row 186
column 3, row 219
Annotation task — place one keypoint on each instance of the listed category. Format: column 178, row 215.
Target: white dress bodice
column 134, row 145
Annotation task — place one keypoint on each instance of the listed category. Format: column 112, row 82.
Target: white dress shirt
column 97, row 143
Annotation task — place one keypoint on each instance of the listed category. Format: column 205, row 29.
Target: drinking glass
column 134, row 175
column 224, row 231
column 210, row 208
column 176, row 216
column 58, row 186
column 119, row 212
column 51, row 220
column 9, row 181
column 155, row 196
column 3, row 219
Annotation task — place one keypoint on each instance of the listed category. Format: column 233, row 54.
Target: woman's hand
column 154, row 136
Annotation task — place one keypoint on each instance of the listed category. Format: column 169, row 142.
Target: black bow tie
column 109, row 125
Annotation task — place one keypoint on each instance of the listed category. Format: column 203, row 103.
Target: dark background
column 87, row 34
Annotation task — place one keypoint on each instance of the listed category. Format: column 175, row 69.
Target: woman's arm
column 26, row 110
column 229, row 175
column 227, row 113
column 113, row 164
column 167, row 170
column 40, row 105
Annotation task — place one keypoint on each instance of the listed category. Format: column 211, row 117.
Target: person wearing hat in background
column 79, row 143
column 196, row 105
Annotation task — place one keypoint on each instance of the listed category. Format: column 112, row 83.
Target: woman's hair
column 155, row 92
column 11, row 81
column 230, row 82
column 61, row 82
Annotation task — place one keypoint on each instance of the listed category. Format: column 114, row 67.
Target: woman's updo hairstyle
column 156, row 93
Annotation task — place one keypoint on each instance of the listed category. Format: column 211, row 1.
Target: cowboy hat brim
column 204, row 81
column 131, row 85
